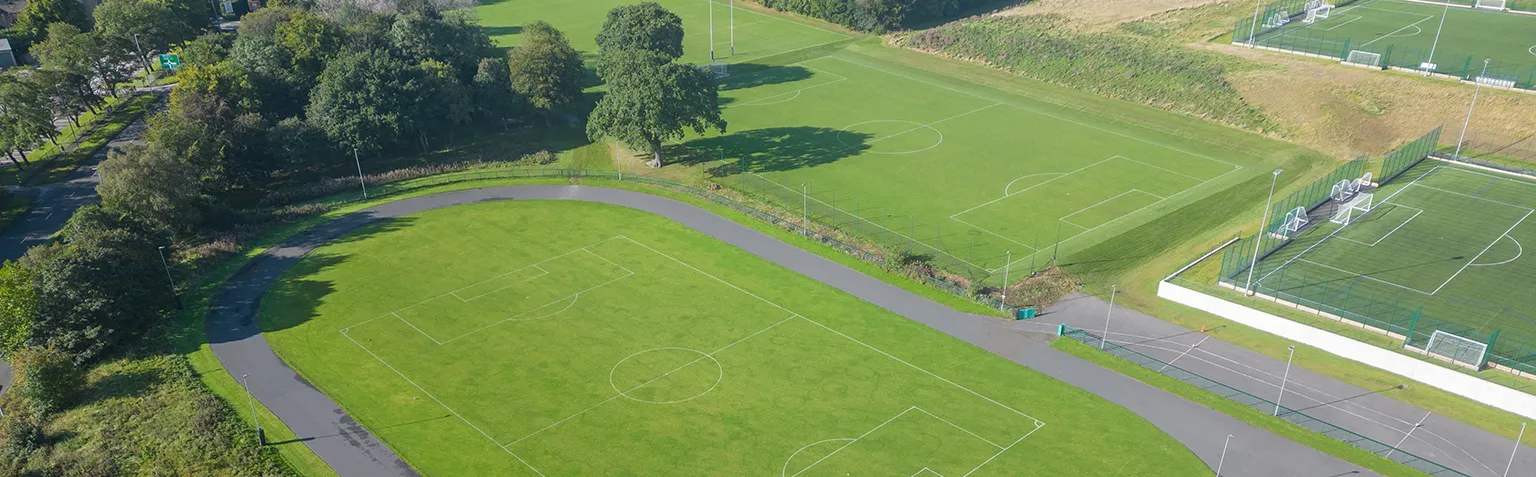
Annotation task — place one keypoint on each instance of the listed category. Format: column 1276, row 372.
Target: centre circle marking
column 911, row 126
column 719, row 374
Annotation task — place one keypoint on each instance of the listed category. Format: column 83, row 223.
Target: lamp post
column 1259, row 237
column 1105, row 339
column 1477, row 89
column 1283, row 379
column 360, row 181
column 142, row 60
column 1223, row 460
column 805, row 206
column 168, row 278
column 261, row 434
column 1253, row 30
column 1007, row 260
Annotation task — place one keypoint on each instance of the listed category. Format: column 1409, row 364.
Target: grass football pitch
column 1411, row 30
column 1447, row 238
column 897, row 149
column 565, row 338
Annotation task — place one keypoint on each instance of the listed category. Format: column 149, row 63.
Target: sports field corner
column 526, row 343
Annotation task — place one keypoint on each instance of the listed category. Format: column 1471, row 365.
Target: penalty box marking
column 1394, row 229
column 851, row 441
column 1038, row 423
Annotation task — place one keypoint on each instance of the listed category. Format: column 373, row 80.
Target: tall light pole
column 1477, row 89
column 1253, row 30
column 1517, row 449
column 168, row 278
column 142, row 60
column 1008, row 260
column 261, row 435
column 733, row 27
column 1223, row 460
column 805, row 206
column 1111, row 312
column 1259, row 237
column 360, row 181
column 1283, row 379
column 711, row 30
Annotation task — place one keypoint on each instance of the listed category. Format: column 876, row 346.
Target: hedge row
column 875, row 15
column 1127, row 67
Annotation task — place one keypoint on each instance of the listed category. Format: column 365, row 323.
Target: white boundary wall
column 1428, row 373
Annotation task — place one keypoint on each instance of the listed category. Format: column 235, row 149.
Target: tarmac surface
column 351, row 450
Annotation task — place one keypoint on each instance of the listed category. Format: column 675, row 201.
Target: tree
column 67, row 95
column 34, row 20
column 649, row 103
column 263, row 23
column 24, row 116
column 82, row 52
column 139, row 27
column 18, row 305
column 417, row 38
column 545, row 70
column 643, row 26
column 151, row 183
column 366, row 100
column 446, row 106
column 49, row 379
column 281, row 89
column 491, row 90
column 205, row 49
column 310, row 39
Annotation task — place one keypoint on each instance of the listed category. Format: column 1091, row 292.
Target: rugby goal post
column 1491, row 4
column 1363, row 58
column 1457, row 348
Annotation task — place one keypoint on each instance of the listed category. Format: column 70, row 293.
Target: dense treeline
column 286, row 102
column 877, row 15
column 1131, row 68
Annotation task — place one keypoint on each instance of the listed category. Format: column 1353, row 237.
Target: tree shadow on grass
column 752, row 75
column 770, row 149
column 495, row 31
column 292, row 299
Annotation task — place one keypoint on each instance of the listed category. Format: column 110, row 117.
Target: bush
column 47, row 379
column 1132, row 68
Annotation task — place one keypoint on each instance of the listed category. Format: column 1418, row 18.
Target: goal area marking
column 849, row 442
column 1037, row 423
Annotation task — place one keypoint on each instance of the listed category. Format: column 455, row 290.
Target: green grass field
column 527, row 337
column 1443, row 237
column 913, row 157
column 1405, row 32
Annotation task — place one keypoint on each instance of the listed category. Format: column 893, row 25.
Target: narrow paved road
column 236, row 339
column 1372, row 413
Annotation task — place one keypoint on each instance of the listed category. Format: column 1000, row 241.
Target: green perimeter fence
column 766, row 214
column 1264, row 405
column 1462, row 65
column 1404, row 320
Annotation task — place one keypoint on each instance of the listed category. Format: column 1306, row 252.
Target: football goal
column 1458, row 349
column 719, row 70
column 1491, row 4
column 1353, row 208
column 1277, row 19
column 1364, row 58
column 1346, row 189
column 1294, row 221
column 1319, row 12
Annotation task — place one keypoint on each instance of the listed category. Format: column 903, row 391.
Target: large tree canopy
column 34, row 20
column 643, row 26
column 545, row 70
column 650, row 102
column 365, row 100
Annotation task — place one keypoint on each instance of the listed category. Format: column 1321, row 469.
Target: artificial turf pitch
column 1444, row 237
column 896, row 149
column 1407, row 33
column 563, row 338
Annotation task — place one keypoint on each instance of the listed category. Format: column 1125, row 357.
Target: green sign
column 170, row 61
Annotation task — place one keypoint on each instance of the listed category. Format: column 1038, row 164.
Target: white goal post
column 1319, row 12
column 1354, row 208
column 1458, row 349
column 1277, row 19
column 1491, row 4
column 1364, row 58
column 716, row 68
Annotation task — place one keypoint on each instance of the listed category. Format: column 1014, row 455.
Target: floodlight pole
column 360, row 181
column 1517, row 449
column 1284, row 378
column 1259, row 237
column 1111, row 312
column 711, row 30
column 1253, row 30
column 1477, row 89
column 805, row 206
column 733, row 27
column 1223, row 460
column 1008, row 260
column 1437, row 38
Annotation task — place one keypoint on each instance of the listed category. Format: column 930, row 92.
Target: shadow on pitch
column 752, row 75
column 771, row 149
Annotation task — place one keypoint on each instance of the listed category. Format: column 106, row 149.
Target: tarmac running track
column 350, row 450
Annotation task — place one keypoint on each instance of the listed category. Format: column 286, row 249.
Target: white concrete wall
column 1428, row 373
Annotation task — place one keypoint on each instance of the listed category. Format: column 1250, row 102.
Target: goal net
column 1364, row 58
column 1491, row 4
column 1353, row 209
column 719, row 70
column 1320, row 12
column 1277, row 19
column 1457, row 348
column 1294, row 221
column 1346, row 189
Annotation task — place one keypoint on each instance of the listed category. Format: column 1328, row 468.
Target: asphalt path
column 235, row 338
column 1372, row 413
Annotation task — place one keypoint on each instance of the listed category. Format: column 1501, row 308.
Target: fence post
column 1386, row 57
column 1413, row 323
column 1467, row 68
column 1491, row 340
column 1344, row 55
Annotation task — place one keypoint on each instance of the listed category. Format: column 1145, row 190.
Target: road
column 1369, row 412
column 335, row 437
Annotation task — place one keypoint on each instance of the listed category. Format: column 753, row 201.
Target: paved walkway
column 236, row 339
column 1369, row 412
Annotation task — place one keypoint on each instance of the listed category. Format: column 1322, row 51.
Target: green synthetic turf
column 587, row 339
column 1444, row 237
column 921, row 156
column 1409, row 30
